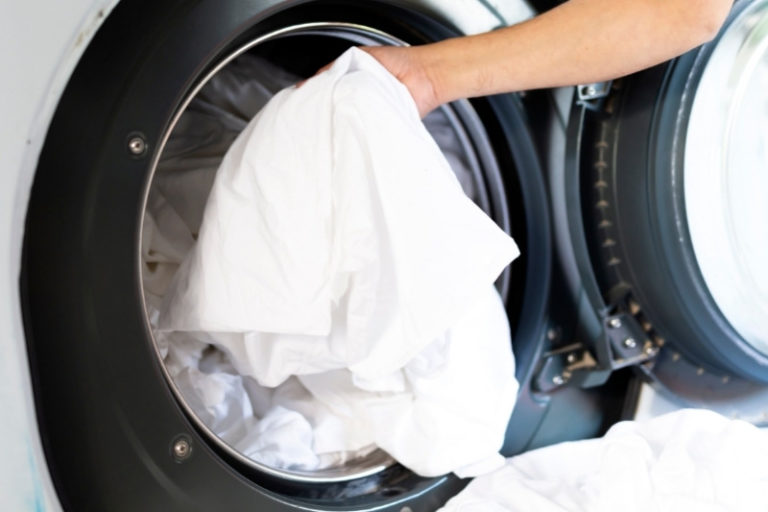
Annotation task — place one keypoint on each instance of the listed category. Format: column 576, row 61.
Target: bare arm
column 580, row 41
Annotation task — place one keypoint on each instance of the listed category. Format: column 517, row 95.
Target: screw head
column 137, row 145
column 630, row 343
column 181, row 449
column 650, row 350
column 558, row 380
column 571, row 358
column 614, row 322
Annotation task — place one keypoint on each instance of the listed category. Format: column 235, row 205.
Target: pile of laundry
column 689, row 459
column 335, row 295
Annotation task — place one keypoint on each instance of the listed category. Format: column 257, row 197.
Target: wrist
column 457, row 68
column 434, row 64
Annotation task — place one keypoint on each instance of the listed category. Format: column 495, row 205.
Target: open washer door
column 664, row 188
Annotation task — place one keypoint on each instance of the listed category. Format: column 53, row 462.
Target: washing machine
column 638, row 205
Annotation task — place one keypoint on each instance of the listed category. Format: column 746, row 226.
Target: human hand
column 407, row 65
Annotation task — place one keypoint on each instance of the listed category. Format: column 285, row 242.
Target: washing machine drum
column 670, row 198
column 157, row 99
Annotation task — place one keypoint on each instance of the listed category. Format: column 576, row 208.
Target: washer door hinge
column 622, row 343
column 589, row 94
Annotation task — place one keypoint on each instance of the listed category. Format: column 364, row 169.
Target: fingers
column 366, row 49
column 324, row 68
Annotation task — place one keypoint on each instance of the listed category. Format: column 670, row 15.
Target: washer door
column 116, row 433
column 672, row 185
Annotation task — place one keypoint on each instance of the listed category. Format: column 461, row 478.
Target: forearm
column 580, row 41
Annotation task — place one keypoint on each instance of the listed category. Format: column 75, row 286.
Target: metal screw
column 591, row 91
column 552, row 334
column 181, row 449
column 571, row 358
column 630, row 343
column 650, row 350
column 137, row 145
column 614, row 322
column 558, row 380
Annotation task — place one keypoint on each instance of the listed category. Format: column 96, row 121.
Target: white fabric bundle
column 338, row 246
column 685, row 460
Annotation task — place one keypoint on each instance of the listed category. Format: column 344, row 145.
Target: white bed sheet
column 686, row 460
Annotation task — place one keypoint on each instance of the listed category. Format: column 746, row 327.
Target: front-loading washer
column 607, row 295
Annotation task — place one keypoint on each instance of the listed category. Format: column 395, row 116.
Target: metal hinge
column 595, row 91
column 623, row 343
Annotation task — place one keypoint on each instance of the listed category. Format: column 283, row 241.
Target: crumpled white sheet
column 335, row 200
column 685, row 460
column 337, row 246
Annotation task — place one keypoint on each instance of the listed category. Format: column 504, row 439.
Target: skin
column 580, row 41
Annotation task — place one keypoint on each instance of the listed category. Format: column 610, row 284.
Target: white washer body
column 42, row 46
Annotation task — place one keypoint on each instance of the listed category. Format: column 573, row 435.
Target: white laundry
column 335, row 198
column 337, row 246
column 456, row 403
column 685, row 460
